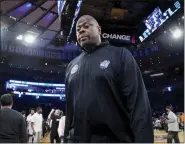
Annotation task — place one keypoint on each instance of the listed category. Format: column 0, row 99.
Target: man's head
column 32, row 111
column 23, row 113
column 168, row 108
column 88, row 31
column 61, row 113
column 6, row 101
column 57, row 112
column 39, row 110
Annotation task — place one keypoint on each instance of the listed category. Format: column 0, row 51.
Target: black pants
column 171, row 136
column 54, row 137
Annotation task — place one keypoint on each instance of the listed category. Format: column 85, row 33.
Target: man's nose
column 81, row 31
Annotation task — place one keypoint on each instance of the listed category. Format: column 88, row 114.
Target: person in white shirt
column 61, row 127
column 173, row 126
column 29, row 128
column 36, row 124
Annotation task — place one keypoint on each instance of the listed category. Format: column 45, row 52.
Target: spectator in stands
column 12, row 123
column 30, row 131
column 157, row 124
column 182, row 120
column 36, row 124
column 173, row 126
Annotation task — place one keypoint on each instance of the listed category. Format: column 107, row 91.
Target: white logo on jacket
column 74, row 69
column 104, row 64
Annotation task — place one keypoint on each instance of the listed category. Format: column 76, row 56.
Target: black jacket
column 106, row 99
column 12, row 127
column 54, row 125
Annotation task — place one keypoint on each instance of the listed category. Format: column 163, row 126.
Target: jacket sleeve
column 137, row 103
column 69, row 111
column 23, row 132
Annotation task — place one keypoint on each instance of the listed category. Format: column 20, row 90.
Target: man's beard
column 88, row 46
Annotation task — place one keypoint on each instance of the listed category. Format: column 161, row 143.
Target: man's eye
column 86, row 26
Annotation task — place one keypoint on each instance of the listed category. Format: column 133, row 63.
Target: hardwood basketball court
column 160, row 137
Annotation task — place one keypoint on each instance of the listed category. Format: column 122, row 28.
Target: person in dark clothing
column 24, row 116
column 12, row 123
column 55, row 117
column 106, row 99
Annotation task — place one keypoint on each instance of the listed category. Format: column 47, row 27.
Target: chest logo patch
column 104, row 64
column 74, row 69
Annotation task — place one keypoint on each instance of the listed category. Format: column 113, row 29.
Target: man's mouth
column 83, row 38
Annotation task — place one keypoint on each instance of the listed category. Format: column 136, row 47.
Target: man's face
column 32, row 112
column 167, row 109
column 57, row 112
column 40, row 111
column 87, row 32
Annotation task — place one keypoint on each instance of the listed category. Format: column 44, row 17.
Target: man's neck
column 91, row 47
column 6, row 107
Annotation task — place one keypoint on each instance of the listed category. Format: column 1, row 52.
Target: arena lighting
column 156, row 75
column 36, row 83
column 177, row 33
column 29, row 90
column 19, row 95
column 169, row 89
column 29, row 38
column 21, row 85
column 20, row 37
column 40, row 94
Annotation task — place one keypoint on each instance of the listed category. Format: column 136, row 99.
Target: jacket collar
column 94, row 48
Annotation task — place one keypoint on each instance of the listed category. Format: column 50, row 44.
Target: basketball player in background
column 36, row 125
column 29, row 128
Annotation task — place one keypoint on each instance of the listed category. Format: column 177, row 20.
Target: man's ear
column 99, row 29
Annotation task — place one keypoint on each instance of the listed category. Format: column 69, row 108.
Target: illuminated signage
column 116, row 36
column 25, row 83
column 156, row 19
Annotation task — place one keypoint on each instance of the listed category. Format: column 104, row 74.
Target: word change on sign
column 118, row 37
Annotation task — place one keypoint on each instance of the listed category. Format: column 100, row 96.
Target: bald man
column 106, row 99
